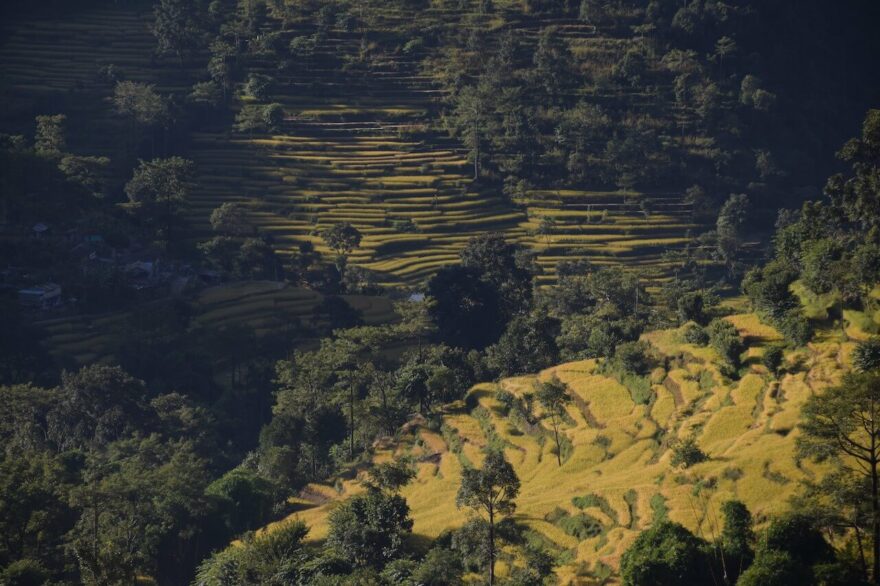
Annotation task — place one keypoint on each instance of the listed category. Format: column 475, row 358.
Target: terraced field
column 358, row 149
column 264, row 306
column 607, row 228
column 52, row 65
column 616, row 474
column 363, row 144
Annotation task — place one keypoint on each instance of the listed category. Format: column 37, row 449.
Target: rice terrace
column 439, row 292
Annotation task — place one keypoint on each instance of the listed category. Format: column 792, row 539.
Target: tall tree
column 342, row 239
column 471, row 119
column 465, row 308
column 178, row 27
column 842, row 426
column 506, row 266
column 553, row 397
column 731, row 220
column 369, row 529
column 857, row 193
column 230, row 218
column 49, row 139
column 158, row 189
column 491, row 490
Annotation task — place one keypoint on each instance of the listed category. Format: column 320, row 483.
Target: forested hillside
column 308, row 292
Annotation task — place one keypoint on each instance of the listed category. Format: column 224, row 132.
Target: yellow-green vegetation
column 617, row 472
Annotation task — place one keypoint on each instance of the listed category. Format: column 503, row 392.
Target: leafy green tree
column 342, row 238
column 725, row 47
column 440, row 567
column 856, row 193
column 665, row 554
column 491, row 490
column 505, row 266
column 141, row 103
column 89, row 173
column 158, row 189
column 392, row 476
column 553, row 63
column 790, row 551
column 597, row 334
column 139, row 497
column 369, row 529
column 527, row 345
column 246, row 499
column 842, row 426
column 471, row 119
column 633, row 357
column 230, row 218
column 34, row 513
column 686, row 452
column 97, row 405
column 178, row 26
column 731, row 220
column 724, row 338
column 433, row 375
column 866, row 356
column 553, row 397
column 259, row 86
column 49, row 140
column 737, row 540
column 465, row 309
column 269, row 558
column 772, row 358
column 259, row 117
column 209, row 94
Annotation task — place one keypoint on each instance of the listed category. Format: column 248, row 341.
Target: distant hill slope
column 616, row 475
column 262, row 307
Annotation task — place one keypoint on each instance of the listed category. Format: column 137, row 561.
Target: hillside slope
column 616, row 474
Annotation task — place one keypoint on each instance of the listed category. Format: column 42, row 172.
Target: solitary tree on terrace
column 342, row 239
column 490, row 490
column 553, row 397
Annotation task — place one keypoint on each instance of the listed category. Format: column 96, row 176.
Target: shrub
column 507, row 400
column 724, row 338
column 686, row 452
column 258, row 86
column 772, row 358
column 303, row 46
column 582, row 526
column 413, row 45
column 694, row 334
column 866, row 356
column 795, row 327
column 633, row 357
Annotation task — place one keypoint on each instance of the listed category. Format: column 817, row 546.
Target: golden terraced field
column 619, row 457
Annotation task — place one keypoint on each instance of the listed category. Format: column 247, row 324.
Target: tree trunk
column 351, row 420
column 558, row 447
column 862, row 560
column 875, row 509
column 491, row 547
column 476, row 155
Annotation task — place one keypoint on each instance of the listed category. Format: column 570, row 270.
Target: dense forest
column 281, row 279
